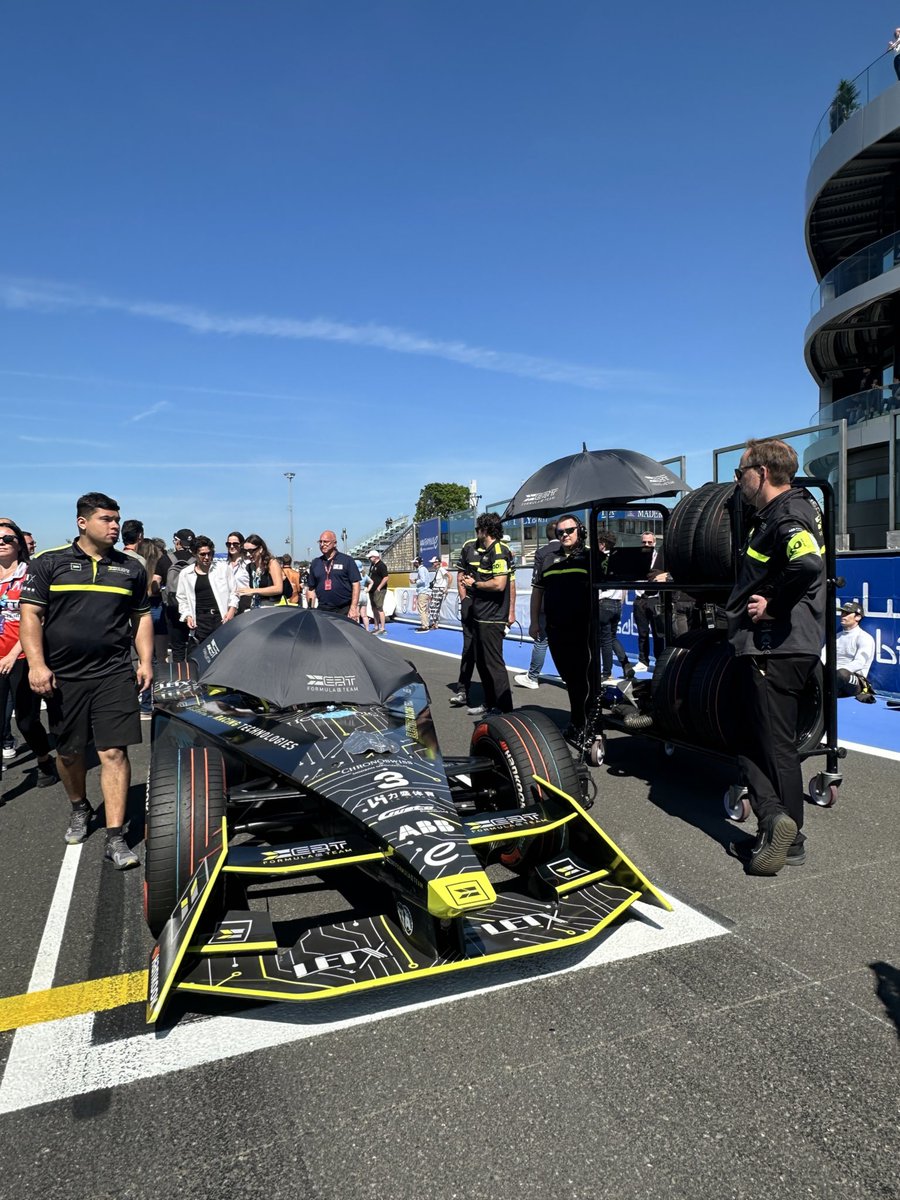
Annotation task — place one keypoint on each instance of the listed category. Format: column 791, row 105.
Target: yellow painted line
column 94, row 995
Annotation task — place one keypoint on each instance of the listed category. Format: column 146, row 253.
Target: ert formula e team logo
column 322, row 683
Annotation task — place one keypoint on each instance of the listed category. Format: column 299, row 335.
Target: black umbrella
column 289, row 655
column 609, row 477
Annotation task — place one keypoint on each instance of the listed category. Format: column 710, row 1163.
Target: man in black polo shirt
column 80, row 607
column 561, row 582
column 334, row 580
column 487, row 582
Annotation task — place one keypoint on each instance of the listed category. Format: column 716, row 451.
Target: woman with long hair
column 266, row 585
column 151, row 551
column 234, row 548
column 206, row 595
column 13, row 667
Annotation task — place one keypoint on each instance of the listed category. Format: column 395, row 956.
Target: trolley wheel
column 737, row 803
column 821, row 793
column 597, row 752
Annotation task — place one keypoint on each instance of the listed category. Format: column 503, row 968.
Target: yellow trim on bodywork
column 572, row 884
column 421, row 972
column 525, row 831
column 299, row 868
column 621, row 855
column 454, row 894
column 166, row 984
column 410, row 961
column 232, row 947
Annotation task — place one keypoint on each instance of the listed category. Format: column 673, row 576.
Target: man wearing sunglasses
column 487, row 582
column 561, row 585
column 776, row 624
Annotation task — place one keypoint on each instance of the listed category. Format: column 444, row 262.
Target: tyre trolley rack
column 638, row 706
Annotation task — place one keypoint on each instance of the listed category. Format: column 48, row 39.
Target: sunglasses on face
column 569, row 529
column 232, row 545
column 739, row 471
column 204, row 553
column 9, row 539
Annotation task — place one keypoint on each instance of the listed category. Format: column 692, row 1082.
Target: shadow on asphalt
column 887, row 989
column 687, row 785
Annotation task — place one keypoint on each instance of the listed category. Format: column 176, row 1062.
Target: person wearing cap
column 855, row 653
column 418, row 578
column 439, row 581
column 378, row 581
column 776, row 627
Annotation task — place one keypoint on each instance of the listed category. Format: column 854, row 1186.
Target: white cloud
column 51, row 297
column 151, row 412
column 65, row 441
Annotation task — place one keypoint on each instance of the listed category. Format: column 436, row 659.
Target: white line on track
column 876, row 750
column 56, row 1060
column 55, row 925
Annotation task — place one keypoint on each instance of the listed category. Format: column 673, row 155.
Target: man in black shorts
column 81, row 605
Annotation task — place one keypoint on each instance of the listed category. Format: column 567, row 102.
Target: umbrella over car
column 591, row 477
column 289, row 655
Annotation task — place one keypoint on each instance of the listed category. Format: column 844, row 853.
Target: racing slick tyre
column 699, row 537
column 523, row 744
column 186, row 801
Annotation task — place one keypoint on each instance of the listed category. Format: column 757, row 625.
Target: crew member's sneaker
column 120, row 853
column 525, row 681
column 796, row 855
column 641, row 666
column 421, row 629
column 458, row 700
column 768, row 854
column 79, row 821
column 47, row 774
column 9, row 748
column 574, row 736
column 476, row 710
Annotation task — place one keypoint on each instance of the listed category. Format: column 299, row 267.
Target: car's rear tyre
column 521, row 745
column 186, row 801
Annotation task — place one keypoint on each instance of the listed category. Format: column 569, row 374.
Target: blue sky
column 380, row 244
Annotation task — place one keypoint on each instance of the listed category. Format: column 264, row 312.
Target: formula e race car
column 295, row 746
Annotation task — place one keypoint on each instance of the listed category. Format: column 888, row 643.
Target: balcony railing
column 863, row 406
column 871, row 82
column 879, row 258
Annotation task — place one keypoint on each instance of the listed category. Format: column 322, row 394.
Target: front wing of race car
column 564, row 901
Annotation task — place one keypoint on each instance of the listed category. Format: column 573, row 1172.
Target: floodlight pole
column 289, row 476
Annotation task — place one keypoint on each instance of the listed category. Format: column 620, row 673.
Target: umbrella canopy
column 290, row 655
column 592, row 477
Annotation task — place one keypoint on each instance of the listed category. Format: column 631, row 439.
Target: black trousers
column 769, row 762
column 571, row 650
column 467, row 658
column 179, row 635
column 488, row 639
column 27, row 707
column 649, row 620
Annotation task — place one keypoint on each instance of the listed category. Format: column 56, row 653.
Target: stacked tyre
column 700, row 536
column 696, row 696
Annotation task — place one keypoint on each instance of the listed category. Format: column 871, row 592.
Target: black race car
column 296, row 746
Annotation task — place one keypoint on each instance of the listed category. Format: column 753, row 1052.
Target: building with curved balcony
column 852, row 341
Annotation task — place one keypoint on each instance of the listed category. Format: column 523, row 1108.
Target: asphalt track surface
column 758, row 1058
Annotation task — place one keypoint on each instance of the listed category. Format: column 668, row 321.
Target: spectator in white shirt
column 855, row 653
